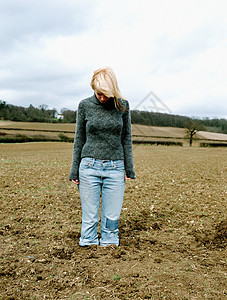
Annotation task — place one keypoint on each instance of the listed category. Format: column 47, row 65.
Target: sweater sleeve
column 79, row 141
column 127, row 143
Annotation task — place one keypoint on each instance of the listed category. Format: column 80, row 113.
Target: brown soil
column 173, row 227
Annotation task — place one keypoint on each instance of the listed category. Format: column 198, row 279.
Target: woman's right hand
column 75, row 181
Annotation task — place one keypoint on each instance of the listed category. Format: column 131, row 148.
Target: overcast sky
column 176, row 49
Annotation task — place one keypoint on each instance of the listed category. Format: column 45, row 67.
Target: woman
column 102, row 154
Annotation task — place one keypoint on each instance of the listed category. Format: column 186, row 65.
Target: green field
column 173, row 227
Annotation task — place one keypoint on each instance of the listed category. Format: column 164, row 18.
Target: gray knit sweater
column 102, row 132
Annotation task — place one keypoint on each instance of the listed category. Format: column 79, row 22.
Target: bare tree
column 192, row 127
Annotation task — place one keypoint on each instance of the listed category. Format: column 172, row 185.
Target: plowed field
column 173, row 227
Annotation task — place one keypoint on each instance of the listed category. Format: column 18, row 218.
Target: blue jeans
column 103, row 178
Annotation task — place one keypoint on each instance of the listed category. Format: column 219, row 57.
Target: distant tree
column 2, row 104
column 43, row 107
column 63, row 109
column 69, row 116
column 2, row 109
column 32, row 113
column 192, row 127
column 53, row 113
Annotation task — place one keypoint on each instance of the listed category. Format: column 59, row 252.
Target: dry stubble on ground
column 172, row 227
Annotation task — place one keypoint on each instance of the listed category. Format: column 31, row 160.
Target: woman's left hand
column 127, row 178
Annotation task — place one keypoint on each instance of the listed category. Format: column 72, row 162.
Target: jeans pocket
column 119, row 165
column 86, row 162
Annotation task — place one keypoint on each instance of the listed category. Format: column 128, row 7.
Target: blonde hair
column 104, row 81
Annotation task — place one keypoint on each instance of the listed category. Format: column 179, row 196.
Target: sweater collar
column 109, row 104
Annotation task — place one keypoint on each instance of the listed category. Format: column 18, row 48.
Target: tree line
column 170, row 120
column 43, row 114
column 35, row 114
